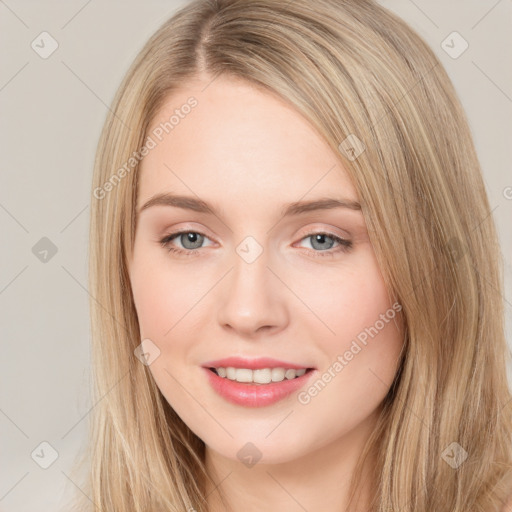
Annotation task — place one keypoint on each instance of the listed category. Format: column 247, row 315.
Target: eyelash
column 344, row 245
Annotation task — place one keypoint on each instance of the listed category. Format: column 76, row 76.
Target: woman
column 240, row 363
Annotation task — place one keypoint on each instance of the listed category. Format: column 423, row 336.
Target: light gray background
column 52, row 111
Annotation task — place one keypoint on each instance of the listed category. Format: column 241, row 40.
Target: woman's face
column 258, row 276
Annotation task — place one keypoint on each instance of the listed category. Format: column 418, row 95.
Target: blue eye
column 192, row 241
column 185, row 237
column 318, row 241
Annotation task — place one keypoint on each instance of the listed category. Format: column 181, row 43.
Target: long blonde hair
column 352, row 69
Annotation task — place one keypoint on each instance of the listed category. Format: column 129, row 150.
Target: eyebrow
column 295, row 208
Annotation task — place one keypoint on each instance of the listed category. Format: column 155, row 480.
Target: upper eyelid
column 317, row 226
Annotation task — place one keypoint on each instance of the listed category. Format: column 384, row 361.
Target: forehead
column 238, row 140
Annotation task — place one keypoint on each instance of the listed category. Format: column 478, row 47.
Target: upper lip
column 253, row 364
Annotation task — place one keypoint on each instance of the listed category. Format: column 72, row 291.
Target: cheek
column 162, row 295
column 361, row 356
column 347, row 300
column 358, row 323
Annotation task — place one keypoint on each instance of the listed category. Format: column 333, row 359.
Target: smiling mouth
column 259, row 376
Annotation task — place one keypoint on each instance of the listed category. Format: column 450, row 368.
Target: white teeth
column 243, row 375
column 260, row 376
column 263, row 376
column 278, row 374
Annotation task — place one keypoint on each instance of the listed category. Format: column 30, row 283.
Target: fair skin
column 248, row 154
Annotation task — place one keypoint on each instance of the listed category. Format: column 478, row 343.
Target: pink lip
column 255, row 395
column 252, row 364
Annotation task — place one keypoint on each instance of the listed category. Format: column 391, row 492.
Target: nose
column 252, row 299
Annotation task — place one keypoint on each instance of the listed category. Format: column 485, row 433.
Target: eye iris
column 191, row 237
column 321, row 239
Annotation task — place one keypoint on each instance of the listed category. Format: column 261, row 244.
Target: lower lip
column 255, row 395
